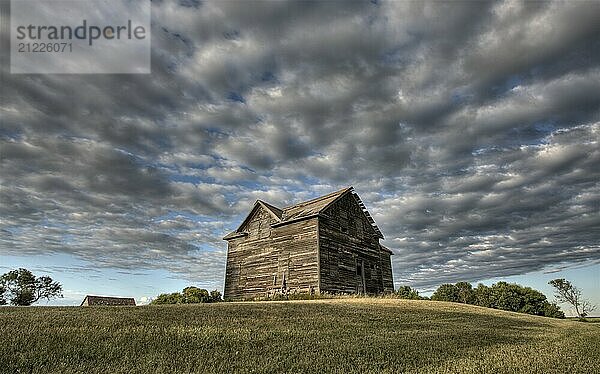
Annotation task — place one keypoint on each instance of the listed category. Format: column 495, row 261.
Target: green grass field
column 338, row 335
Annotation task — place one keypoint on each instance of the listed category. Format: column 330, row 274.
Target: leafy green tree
column 446, row 292
column 22, row 288
column 566, row 292
column 506, row 296
column 532, row 301
column 482, row 296
column 461, row 292
column 465, row 292
column 194, row 295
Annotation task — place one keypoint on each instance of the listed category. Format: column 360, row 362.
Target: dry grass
column 341, row 336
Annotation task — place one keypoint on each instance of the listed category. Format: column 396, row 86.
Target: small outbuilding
column 107, row 301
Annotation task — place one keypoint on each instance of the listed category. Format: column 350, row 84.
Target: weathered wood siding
column 297, row 246
column 351, row 260
column 260, row 262
column 386, row 270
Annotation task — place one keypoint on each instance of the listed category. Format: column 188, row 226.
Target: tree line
column 508, row 296
column 502, row 295
column 22, row 288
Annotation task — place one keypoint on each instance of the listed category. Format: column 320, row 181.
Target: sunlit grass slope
column 342, row 336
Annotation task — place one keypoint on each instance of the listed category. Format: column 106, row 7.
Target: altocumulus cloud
column 470, row 130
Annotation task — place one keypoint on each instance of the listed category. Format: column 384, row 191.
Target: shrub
column 168, row 298
column 552, row 310
column 405, row 292
column 215, row 296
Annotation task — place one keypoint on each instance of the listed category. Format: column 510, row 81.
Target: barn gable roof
column 312, row 207
column 273, row 210
column 108, row 301
column 367, row 214
column 303, row 210
column 386, row 249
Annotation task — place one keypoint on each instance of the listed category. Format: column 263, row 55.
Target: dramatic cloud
column 470, row 130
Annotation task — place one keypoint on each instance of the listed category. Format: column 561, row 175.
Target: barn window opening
column 358, row 268
column 274, row 279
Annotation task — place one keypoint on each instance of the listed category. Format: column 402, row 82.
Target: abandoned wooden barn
column 328, row 244
column 90, row 300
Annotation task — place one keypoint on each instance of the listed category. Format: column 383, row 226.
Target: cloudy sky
column 470, row 131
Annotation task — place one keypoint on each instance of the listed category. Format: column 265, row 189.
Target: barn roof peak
column 305, row 209
column 313, row 206
column 271, row 208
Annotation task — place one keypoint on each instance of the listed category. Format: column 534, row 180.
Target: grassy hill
column 343, row 336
